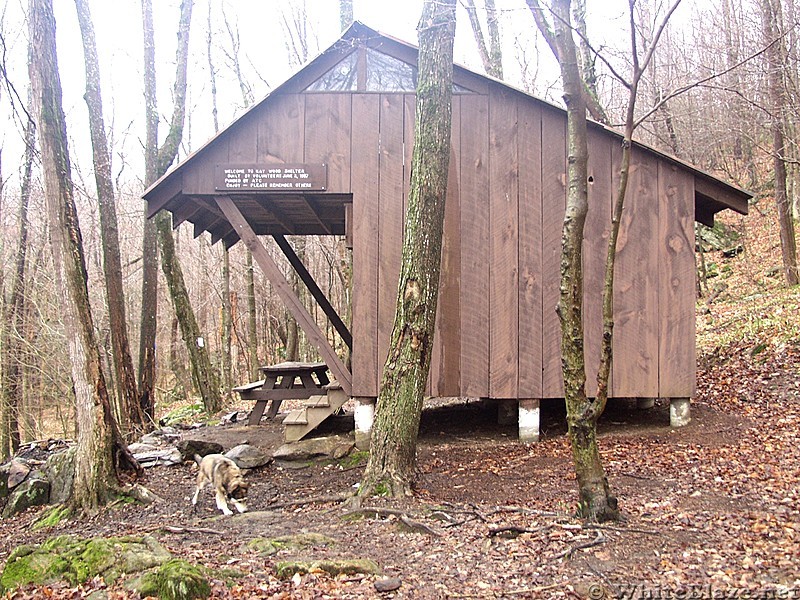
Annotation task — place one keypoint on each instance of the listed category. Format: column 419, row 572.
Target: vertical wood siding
column 390, row 216
column 365, row 148
column 445, row 375
column 474, row 220
column 676, row 321
column 281, row 130
column 503, row 246
column 530, row 250
column 498, row 334
column 636, row 305
column 554, row 198
column 595, row 248
column 328, row 132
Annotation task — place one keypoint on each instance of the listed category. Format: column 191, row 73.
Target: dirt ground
column 711, row 508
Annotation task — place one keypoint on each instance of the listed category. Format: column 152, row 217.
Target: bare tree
column 157, row 161
column 492, row 53
column 591, row 97
column 100, row 448
column 13, row 332
column 393, row 447
column 130, row 409
column 227, row 322
column 595, row 499
column 772, row 24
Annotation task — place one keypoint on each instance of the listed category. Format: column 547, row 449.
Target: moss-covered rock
column 51, row 517
column 176, row 579
column 183, row 415
column 34, row 491
column 60, row 470
column 333, row 567
column 77, row 560
column 300, row 541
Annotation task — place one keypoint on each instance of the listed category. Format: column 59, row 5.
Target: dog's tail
column 198, row 459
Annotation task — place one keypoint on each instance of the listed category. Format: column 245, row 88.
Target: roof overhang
column 324, row 214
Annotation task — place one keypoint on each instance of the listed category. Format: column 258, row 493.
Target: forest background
column 714, row 52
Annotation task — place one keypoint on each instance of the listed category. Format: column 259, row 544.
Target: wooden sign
column 271, row 178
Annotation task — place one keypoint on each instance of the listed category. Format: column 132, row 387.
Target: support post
column 364, row 417
column 679, row 412
column 528, row 420
column 507, row 412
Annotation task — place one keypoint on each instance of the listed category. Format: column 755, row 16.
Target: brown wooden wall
column 497, row 331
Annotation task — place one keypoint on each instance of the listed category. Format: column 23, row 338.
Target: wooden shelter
column 329, row 153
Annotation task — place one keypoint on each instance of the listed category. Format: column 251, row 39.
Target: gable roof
column 712, row 194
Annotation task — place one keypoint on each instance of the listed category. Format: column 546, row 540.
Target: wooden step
column 302, row 421
column 296, row 417
column 317, row 402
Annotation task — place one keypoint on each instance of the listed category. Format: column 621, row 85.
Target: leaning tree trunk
column 595, row 500
column 203, row 373
column 98, row 439
column 13, row 332
column 130, row 409
column 392, row 459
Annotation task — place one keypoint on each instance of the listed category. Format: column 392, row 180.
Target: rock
column 3, row 482
column 60, row 470
column 76, row 560
column 248, row 457
column 188, row 448
column 345, row 566
column 34, row 491
column 165, row 456
column 300, row 541
column 176, row 579
column 389, row 584
column 237, row 416
column 17, row 472
column 161, row 437
column 138, row 448
column 183, row 416
column 334, row 446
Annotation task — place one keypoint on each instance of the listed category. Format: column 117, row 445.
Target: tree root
column 312, row 500
column 599, row 539
column 173, row 529
column 515, row 531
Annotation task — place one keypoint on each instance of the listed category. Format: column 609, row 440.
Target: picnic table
column 284, row 381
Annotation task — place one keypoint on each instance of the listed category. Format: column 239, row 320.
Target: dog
column 227, row 480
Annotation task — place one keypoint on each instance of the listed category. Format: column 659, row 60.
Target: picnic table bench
column 284, row 381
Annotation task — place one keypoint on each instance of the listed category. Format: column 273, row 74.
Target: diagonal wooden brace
column 285, row 292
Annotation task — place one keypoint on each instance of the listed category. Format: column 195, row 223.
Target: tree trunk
column 776, row 63
column 226, row 333
column 252, row 324
column 392, row 458
column 203, row 373
column 149, row 310
column 130, row 408
column 595, row 500
column 589, row 96
column 491, row 54
column 14, row 330
column 99, row 441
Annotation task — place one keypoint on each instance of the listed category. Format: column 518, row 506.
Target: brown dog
column 226, row 479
